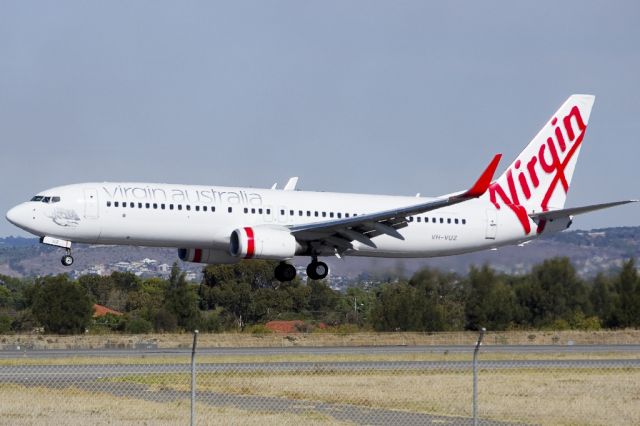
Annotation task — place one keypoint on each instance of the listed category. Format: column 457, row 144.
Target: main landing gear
column 315, row 271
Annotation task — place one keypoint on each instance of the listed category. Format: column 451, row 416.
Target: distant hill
column 598, row 250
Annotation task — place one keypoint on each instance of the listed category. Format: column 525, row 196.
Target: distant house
column 100, row 311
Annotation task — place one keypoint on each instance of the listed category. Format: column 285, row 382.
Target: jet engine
column 209, row 256
column 263, row 243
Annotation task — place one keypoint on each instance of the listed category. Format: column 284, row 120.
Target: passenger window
column 198, row 208
column 339, row 215
column 308, row 213
column 291, row 212
column 456, row 220
column 464, row 221
column 281, row 212
column 230, row 209
column 260, row 211
column 124, row 204
column 246, row 210
column 441, row 220
column 449, row 220
column 324, row 214
column 410, row 218
column 253, row 211
column 116, row 204
column 162, row 206
column 330, row 214
column 139, row 205
column 433, row 220
column 315, row 214
column 204, row 208
column 213, row 209
column 155, row 205
column 346, row 215
column 108, row 203
column 268, row 211
column 132, row 205
column 189, row 207
column 170, row 206
column 299, row 212
column 179, row 206
column 419, row 219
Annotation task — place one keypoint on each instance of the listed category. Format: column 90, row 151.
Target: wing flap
column 387, row 222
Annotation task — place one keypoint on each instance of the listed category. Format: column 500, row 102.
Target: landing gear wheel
column 67, row 260
column 317, row 270
column 285, row 272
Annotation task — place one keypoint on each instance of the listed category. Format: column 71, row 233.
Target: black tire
column 317, row 270
column 67, row 260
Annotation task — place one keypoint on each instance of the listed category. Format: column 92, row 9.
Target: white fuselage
column 187, row 216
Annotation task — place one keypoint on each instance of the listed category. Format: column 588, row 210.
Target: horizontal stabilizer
column 556, row 214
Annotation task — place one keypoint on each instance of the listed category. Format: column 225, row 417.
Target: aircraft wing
column 362, row 228
column 557, row 214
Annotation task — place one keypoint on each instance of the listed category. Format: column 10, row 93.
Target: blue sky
column 356, row 96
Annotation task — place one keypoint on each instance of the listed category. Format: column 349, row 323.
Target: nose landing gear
column 67, row 259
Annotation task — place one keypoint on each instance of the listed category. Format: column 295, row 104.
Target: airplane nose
column 15, row 215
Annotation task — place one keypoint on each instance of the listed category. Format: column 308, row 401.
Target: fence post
column 193, row 378
column 475, row 376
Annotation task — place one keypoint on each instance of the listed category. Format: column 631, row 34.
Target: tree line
column 245, row 296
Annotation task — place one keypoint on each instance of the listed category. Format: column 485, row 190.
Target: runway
column 13, row 352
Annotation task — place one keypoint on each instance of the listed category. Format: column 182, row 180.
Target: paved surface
column 13, row 352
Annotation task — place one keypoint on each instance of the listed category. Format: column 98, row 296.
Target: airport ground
column 555, row 378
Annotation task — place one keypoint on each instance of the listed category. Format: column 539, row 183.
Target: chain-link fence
column 411, row 384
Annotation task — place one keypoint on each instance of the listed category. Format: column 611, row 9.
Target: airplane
column 222, row 225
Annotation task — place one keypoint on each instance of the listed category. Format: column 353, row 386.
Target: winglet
column 483, row 182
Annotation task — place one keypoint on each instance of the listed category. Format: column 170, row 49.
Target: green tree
column 61, row 306
column 627, row 307
column 490, row 301
column 553, row 291
column 181, row 300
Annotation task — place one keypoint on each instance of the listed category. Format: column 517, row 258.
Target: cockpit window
column 43, row 199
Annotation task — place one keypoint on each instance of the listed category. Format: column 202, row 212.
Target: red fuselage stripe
column 251, row 245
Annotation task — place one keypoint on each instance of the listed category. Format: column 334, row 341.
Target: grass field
column 526, row 395
column 559, row 396
column 36, row 341
column 43, row 406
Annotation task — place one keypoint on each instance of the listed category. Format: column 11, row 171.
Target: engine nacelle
column 263, row 243
column 209, row 256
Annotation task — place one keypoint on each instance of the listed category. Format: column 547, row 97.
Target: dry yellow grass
column 560, row 396
column 323, row 339
column 41, row 406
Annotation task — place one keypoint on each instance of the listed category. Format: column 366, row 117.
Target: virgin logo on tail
column 526, row 178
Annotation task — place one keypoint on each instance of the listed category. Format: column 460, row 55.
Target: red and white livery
column 211, row 224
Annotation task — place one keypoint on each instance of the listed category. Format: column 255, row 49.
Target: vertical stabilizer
column 539, row 178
